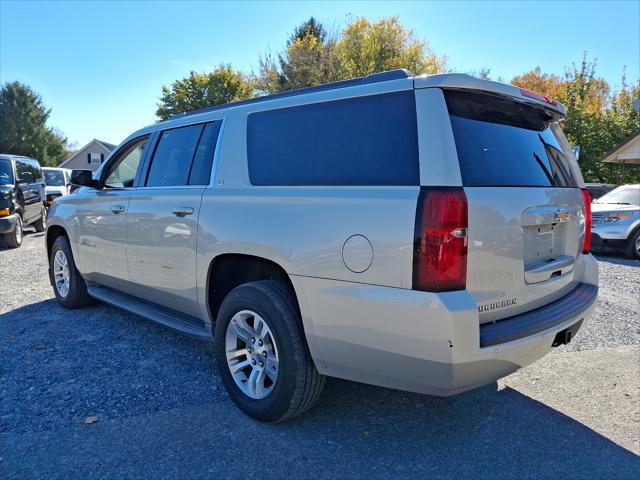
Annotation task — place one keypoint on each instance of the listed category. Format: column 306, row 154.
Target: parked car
column 57, row 183
column 427, row 233
column 596, row 190
column 21, row 197
column 616, row 221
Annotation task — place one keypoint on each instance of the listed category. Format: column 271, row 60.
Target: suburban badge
column 493, row 306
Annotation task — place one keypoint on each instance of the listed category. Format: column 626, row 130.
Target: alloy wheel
column 61, row 273
column 252, row 354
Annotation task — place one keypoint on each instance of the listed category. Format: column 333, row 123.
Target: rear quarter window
column 504, row 143
column 173, row 156
column 360, row 141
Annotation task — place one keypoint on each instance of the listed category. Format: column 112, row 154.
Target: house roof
column 619, row 154
column 108, row 146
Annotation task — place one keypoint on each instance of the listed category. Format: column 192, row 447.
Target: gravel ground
column 160, row 409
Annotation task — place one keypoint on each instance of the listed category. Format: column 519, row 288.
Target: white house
column 624, row 153
column 90, row 156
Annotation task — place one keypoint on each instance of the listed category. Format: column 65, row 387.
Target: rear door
column 38, row 186
column 31, row 188
column 526, row 210
column 162, row 219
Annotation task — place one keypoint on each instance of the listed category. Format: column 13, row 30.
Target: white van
column 57, row 182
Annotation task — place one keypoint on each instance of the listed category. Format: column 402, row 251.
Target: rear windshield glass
column 6, row 173
column 504, row 143
column 370, row 140
column 53, row 178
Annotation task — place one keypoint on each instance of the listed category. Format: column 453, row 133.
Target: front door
column 162, row 219
column 102, row 217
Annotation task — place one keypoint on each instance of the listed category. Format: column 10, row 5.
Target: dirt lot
column 160, row 410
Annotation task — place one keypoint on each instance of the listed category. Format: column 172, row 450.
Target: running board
column 164, row 316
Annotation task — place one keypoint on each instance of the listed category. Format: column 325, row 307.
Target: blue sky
column 100, row 66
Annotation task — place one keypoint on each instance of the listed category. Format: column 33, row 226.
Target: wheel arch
column 230, row 270
column 53, row 232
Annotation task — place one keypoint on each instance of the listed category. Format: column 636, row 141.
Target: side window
column 122, row 171
column 37, row 171
column 173, row 156
column 370, row 140
column 23, row 172
column 203, row 158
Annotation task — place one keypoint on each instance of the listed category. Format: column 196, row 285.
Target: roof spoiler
column 467, row 82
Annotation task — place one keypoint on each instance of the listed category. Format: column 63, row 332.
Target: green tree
column 307, row 60
column 365, row 48
column 311, row 28
column 202, row 90
column 311, row 57
column 23, row 126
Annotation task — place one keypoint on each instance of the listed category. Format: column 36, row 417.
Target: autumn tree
column 202, row 90
column 596, row 118
column 23, row 126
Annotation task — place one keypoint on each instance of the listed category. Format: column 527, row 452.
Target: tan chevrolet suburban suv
column 424, row 233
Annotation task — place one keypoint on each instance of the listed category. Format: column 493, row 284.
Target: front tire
column 14, row 239
column 69, row 287
column 632, row 249
column 262, row 353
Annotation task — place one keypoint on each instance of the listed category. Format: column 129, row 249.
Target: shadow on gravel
column 164, row 414
column 30, row 234
column 618, row 260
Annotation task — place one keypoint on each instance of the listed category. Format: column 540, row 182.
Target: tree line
column 598, row 117
column 23, row 126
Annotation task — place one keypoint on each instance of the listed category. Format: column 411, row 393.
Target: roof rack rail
column 396, row 74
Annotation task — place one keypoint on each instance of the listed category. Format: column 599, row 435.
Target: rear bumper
column 7, row 224
column 425, row 342
column 567, row 308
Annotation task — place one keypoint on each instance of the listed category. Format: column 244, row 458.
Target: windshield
column 504, row 143
column 6, row 173
column 625, row 195
column 53, row 178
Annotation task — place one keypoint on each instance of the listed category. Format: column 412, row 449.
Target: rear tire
column 69, row 287
column 14, row 239
column 41, row 224
column 632, row 248
column 297, row 385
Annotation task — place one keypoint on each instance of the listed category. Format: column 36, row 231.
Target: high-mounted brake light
column 440, row 251
column 586, row 248
column 538, row 96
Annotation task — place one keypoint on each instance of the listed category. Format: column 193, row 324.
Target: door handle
column 116, row 208
column 182, row 211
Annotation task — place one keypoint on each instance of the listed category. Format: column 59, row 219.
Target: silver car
column 425, row 233
column 616, row 221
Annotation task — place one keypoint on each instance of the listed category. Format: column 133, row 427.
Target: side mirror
column 83, row 178
column 27, row 177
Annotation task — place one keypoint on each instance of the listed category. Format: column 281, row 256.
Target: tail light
column 440, row 250
column 587, row 221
